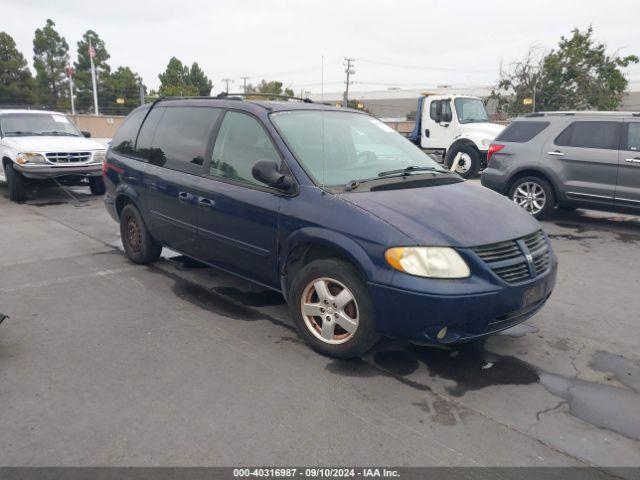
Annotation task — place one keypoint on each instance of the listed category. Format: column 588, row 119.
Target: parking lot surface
column 103, row 362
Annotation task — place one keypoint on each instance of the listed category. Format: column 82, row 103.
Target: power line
column 424, row 67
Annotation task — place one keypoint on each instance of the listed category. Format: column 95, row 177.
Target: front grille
column 509, row 260
column 68, row 157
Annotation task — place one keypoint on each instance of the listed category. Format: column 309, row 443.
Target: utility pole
column 92, row 53
column 244, row 84
column 535, row 87
column 73, row 103
column 349, row 71
column 227, row 81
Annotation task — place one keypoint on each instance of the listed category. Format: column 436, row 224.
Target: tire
column 139, row 246
column 350, row 332
column 96, row 185
column 469, row 163
column 15, row 181
column 526, row 190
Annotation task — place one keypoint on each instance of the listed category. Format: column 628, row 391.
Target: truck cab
column 449, row 125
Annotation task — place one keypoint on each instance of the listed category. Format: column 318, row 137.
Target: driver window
column 241, row 142
column 446, row 111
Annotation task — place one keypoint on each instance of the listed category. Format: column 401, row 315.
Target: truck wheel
column 96, row 185
column 469, row 163
column 332, row 309
column 139, row 246
column 16, row 184
column 535, row 195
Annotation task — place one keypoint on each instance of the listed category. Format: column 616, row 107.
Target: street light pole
column 73, row 103
column 92, row 53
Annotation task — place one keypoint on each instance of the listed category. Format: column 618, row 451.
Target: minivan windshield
column 470, row 110
column 338, row 147
column 40, row 124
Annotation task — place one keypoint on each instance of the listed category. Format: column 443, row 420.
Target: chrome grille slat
column 68, row 157
column 507, row 260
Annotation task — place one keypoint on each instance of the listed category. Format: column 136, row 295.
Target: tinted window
column 143, row 147
column 240, row 144
column 521, row 132
column 124, row 139
column 181, row 138
column 633, row 137
column 590, row 135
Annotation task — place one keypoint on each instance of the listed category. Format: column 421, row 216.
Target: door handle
column 633, row 160
column 185, row 197
column 206, row 202
column 556, row 153
column 426, row 132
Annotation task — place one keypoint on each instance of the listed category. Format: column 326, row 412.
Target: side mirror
column 86, row 134
column 268, row 172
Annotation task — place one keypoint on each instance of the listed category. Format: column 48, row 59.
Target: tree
column 122, row 84
column 175, row 80
column 82, row 74
column 17, row 86
column 50, row 59
column 578, row 75
column 199, row 80
column 274, row 87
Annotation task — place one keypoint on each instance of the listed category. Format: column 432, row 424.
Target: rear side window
column 521, row 132
column 124, row 140
column 602, row 135
column 144, row 148
column 181, row 137
column 633, row 137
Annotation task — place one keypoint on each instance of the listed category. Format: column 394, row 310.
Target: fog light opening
column 442, row 333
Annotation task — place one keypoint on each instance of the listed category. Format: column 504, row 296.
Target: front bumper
column 41, row 172
column 419, row 316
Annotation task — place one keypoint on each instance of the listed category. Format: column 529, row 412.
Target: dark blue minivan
column 362, row 232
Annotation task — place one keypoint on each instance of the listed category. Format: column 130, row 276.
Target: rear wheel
column 535, row 195
column 139, row 246
column 469, row 162
column 15, row 182
column 332, row 309
column 96, row 185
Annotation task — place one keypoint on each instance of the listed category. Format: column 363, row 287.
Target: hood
column 459, row 215
column 53, row 144
column 486, row 129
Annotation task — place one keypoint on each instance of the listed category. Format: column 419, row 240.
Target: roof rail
column 584, row 112
column 267, row 95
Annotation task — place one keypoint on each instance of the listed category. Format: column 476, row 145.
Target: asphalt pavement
column 103, row 362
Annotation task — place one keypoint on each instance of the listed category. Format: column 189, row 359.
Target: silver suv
column 568, row 160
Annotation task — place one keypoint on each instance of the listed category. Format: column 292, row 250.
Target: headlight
column 99, row 156
column 30, row 158
column 432, row 262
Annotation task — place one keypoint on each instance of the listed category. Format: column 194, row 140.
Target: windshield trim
column 339, row 187
column 460, row 120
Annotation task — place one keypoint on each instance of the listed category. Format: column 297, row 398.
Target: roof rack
column 583, row 112
column 234, row 96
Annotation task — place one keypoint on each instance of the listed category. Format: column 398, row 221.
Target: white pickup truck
column 450, row 124
column 40, row 145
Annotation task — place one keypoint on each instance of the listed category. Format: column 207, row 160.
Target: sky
column 402, row 44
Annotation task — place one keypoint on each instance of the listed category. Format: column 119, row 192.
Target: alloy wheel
column 329, row 310
column 530, row 196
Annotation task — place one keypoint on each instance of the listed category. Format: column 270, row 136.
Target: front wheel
column 139, row 246
column 332, row 309
column 96, row 185
column 469, row 162
column 15, row 181
column 535, row 195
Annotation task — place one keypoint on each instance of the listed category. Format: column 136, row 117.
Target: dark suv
column 362, row 232
column 568, row 160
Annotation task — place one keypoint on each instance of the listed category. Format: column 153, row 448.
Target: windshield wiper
column 412, row 168
column 58, row 132
column 20, row 132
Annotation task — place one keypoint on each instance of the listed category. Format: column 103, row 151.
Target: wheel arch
column 125, row 196
column 309, row 244
column 532, row 172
